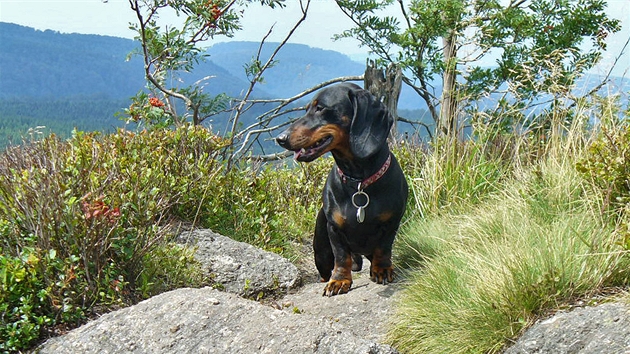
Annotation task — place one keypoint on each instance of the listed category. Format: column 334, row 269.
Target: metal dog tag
column 360, row 208
column 360, row 215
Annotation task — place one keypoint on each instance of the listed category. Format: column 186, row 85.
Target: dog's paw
column 382, row 275
column 336, row 287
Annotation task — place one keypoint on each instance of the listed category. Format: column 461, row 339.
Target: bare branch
column 272, row 157
column 267, row 64
column 607, row 78
column 311, row 90
column 380, row 50
column 147, row 63
column 415, row 122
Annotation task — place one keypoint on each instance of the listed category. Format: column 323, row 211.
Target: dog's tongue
column 298, row 154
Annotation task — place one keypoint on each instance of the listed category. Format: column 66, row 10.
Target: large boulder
column 603, row 329
column 210, row 321
column 241, row 268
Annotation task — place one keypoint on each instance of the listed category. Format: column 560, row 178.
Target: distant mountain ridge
column 49, row 64
column 298, row 66
column 66, row 81
column 40, row 64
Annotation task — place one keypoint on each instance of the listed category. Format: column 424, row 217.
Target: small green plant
column 247, row 285
column 606, row 165
column 23, row 300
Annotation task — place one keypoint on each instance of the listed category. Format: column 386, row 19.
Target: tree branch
column 267, row 64
column 607, row 77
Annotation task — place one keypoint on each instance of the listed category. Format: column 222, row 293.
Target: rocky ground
column 298, row 319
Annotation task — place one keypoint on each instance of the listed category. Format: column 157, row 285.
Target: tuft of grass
column 484, row 275
column 451, row 174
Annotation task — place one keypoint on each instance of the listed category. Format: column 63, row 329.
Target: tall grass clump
column 450, row 173
column 479, row 275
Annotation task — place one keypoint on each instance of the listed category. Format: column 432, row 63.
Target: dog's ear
column 370, row 123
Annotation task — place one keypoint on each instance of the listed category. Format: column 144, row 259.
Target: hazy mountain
column 61, row 80
column 297, row 66
column 51, row 64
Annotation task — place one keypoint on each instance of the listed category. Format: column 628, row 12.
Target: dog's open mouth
column 314, row 151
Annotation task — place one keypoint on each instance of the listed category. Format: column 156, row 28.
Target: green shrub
column 607, row 167
column 85, row 221
column 88, row 223
column 23, row 302
column 271, row 207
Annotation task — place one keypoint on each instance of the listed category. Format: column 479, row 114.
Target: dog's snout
column 283, row 139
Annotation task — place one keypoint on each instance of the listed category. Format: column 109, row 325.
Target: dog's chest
column 356, row 210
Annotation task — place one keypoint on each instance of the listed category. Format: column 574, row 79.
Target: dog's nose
column 283, row 139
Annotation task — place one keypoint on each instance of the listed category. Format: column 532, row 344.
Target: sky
column 112, row 17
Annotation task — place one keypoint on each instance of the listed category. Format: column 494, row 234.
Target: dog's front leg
column 341, row 279
column 381, row 270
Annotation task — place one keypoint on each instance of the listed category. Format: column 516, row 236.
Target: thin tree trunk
column 448, row 107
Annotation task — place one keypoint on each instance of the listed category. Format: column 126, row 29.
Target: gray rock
column 210, row 321
column 604, row 329
column 365, row 310
column 241, row 268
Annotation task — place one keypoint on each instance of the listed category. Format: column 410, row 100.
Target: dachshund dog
column 365, row 193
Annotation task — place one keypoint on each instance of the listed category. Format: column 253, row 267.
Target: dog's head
column 344, row 118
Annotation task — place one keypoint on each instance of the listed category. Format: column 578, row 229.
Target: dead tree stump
column 385, row 85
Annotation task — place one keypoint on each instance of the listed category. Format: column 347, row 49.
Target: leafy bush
column 83, row 223
column 24, row 300
column 606, row 165
column 86, row 224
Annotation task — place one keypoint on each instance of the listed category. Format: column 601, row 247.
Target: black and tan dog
column 365, row 194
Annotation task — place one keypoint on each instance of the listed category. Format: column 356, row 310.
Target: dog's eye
column 319, row 108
